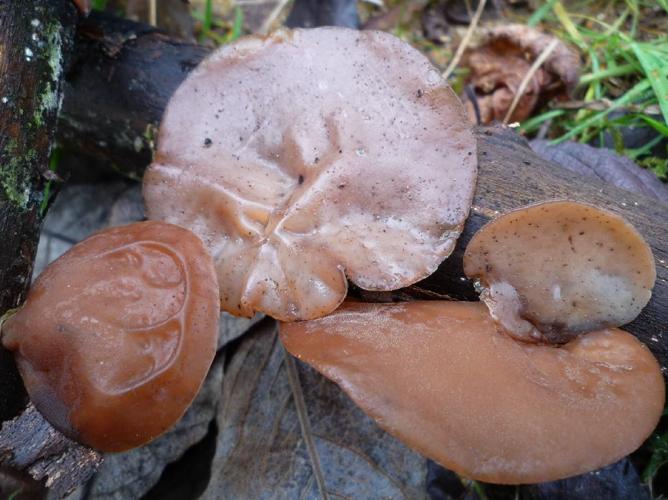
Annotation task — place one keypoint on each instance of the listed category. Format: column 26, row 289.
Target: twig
column 529, row 75
column 304, row 423
column 603, row 104
column 271, row 18
column 152, row 12
column 466, row 40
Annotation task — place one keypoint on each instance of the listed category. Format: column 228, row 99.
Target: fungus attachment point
column 117, row 335
column 316, row 169
column 557, row 269
column 439, row 376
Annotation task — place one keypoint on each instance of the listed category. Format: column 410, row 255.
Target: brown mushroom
column 116, row 336
column 439, row 376
column 311, row 155
column 557, row 269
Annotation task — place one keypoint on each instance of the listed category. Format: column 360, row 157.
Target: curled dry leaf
column 311, row 155
column 501, row 59
column 604, row 164
column 441, row 377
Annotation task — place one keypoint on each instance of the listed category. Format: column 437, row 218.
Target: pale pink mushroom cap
column 310, row 156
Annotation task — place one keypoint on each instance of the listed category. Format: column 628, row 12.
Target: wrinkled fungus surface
column 439, row 376
column 311, row 155
column 117, row 335
column 554, row 270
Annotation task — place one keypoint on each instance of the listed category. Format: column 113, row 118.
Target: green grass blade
column 207, row 20
column 533, row 124
column 661, row 128
column 99, row 4
column 663, row 3
column 610, row 72
column 627, row 98
column 655, row 70
column 646, row 149
column 568, row 24
column 541, row 12
column 238, row 26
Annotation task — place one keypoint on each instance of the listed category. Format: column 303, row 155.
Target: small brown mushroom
column 554, row 270
column 439, row 376
column 311, row 155
column 117, row 335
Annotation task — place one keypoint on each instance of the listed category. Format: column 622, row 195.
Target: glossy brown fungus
column 311, row 155
column 443, row 379
column 550, row 271
column 116, row 336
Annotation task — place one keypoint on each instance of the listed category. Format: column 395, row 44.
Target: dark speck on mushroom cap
column 557, row 269
column 342, row 153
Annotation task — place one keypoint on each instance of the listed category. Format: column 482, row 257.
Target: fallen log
column 125, row 73
column 118, row 86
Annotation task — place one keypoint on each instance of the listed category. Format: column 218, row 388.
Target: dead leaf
column 501, row 59
column 618, row 481
column 603, row 164
column 260, row 450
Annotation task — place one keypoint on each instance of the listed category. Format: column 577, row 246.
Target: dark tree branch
column 121, row 78
column 35, row 38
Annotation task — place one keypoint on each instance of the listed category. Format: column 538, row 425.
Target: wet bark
column 35, row 38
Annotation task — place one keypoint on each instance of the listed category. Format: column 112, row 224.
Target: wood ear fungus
column 309, row 156
column 116, row 336
column 553, row 270
column 443, row 379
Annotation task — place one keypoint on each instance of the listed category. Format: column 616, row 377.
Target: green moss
column 13, row 174
column 16, row 168
column 150, row 136
column 52, row 52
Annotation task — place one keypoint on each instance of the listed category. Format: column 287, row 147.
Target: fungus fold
column 443, row 379
column 557, row 269
column 311, row 155
column 116, row 336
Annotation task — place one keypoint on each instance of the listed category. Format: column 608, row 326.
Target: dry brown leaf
column 499, row 63
column 260, row 451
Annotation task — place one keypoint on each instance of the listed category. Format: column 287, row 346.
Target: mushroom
column 553, row 270
column 311, row 155
column 116, row 336
column 443, row 379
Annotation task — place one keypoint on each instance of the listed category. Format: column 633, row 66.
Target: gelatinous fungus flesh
column 442, row 378
column 116, row 336
column 553, row 270
column 311, row 155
